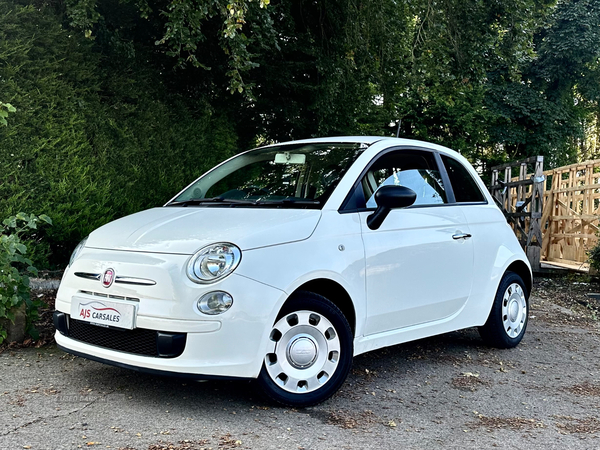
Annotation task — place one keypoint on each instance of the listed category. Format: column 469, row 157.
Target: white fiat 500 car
column 284, row 262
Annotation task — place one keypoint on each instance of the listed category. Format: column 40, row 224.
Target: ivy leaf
column 45, row 218
column 11, row 222
column 33, row 332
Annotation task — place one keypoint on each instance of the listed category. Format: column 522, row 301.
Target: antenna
column 398, row 130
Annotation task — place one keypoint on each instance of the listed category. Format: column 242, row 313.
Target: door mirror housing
column 388, row 198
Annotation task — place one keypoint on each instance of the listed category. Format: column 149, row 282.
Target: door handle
column 461, row 236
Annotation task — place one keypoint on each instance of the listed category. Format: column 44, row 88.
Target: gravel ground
column 445, row 392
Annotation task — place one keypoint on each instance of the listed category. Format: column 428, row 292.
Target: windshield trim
column 229, row 202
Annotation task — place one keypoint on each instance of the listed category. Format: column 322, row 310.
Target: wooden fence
column 554, row 213
column 571, row 211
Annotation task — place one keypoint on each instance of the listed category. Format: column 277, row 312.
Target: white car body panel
column 187, row 232
column 316, row 258
column 282, row 250
column 405, row 285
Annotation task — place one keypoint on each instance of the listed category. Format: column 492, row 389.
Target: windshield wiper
column 259, row 202
column 201, row 201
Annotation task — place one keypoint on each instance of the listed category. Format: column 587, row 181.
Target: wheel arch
column 522, row 269
column 335, row 293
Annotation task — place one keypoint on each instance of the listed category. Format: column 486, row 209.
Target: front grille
column 138, row 341
column 110, row 296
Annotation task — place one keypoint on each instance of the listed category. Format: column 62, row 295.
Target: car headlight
column 77, row 251
column 213, row 262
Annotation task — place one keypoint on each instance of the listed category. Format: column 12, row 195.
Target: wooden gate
column 571, row 211
column 521, row 198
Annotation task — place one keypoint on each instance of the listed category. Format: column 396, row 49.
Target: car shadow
column 186, row 396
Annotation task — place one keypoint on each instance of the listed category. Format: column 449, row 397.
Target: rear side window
column 465, row 188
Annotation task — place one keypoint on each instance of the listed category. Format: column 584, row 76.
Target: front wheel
column 309, row 354
column 508, row 318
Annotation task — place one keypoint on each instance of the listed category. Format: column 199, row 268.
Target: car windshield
column 297, row 176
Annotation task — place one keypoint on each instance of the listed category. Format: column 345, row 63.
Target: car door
column 419, row 262
column 486, row 223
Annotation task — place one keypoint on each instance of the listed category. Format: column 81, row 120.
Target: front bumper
column 231, row 344
column 141, row 369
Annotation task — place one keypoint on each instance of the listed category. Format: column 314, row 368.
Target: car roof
column 340, row 139
column 369, row 140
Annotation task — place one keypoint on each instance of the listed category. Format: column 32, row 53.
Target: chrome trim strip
column 87, row 275
column 122, row 280
column 112, row 297
column 132, row 280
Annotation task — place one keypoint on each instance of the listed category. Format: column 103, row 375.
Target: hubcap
column 304, row 353
column 514, row 310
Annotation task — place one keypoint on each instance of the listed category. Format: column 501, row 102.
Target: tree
column 495, row 80
column 182, row 31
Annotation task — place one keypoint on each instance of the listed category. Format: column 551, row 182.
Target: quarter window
column 464, row 186
column 416, row 170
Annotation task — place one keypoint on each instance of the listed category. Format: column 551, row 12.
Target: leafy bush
column 5, row 108
column 94, row 137
column 15, row 269
column 594, row 257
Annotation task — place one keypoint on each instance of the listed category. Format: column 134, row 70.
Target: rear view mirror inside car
column 290, row 158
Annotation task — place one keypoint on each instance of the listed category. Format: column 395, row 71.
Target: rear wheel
column 310, row 352
column 508, row 318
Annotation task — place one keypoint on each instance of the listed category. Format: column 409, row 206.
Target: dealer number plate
column 103, row 312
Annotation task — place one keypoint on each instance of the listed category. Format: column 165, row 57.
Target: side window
column 414, row 169
column 464, row 186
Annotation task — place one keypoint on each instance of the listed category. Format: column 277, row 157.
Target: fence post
column 534, row 236
column 507, row 197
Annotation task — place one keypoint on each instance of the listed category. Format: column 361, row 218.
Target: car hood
column 185, row 230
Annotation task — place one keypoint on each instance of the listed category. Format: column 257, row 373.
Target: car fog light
column 216, row 302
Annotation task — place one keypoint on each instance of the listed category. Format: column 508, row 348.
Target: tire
column 310, row 353
column 508, row 318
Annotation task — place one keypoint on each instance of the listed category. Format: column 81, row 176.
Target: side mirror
column 388, row 198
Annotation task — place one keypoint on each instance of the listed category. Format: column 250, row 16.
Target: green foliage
column 334, row 70
column 15, row 269
column 121, row 120
column 471, row 75
column 495, row 80
column 96, row 136
column 542, row 100
column 183, row 25
column 5, row 108
column 594, row 257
